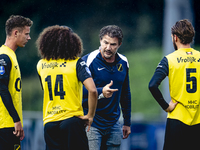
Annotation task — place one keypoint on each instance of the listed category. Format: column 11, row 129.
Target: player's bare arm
column 92, row 101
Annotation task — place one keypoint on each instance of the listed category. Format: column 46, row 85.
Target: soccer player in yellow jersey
column 11, row 123
column 62, row 75
column 183, row 70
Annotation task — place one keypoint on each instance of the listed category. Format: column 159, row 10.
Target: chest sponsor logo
column 119, row 67
column 187, row 59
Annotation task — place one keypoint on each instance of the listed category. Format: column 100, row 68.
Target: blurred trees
column 140, row 20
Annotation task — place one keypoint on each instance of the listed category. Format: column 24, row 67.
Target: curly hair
column 16, row 21
column 112, row 31
column 59, row 42
column 184, row 31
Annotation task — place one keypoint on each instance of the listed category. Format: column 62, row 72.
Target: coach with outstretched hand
column 110, row 71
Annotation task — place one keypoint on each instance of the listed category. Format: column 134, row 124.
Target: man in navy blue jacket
column 110, row 72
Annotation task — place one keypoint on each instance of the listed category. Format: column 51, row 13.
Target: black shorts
column 68, row 134
column 8, row 141
column 179, row 136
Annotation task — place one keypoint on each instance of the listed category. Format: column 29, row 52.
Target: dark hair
column 184, row 31
column 59, row 42
column 16, row 21
column 112, row 31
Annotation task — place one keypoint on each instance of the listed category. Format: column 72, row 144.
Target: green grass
column 142, row 65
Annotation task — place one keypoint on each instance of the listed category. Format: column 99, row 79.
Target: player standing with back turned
column 183, row 70
column 62, row 73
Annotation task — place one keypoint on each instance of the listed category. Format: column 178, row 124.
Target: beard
column 107, row 54
column 174, row 44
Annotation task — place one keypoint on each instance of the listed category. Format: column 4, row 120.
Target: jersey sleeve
column 83, row 72
column 5, row 67
column 125, row 101
column 161, row 72
column 99, row 89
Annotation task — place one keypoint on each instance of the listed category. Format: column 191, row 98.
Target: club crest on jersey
column 2, row 70
column 17, row 147
column 119, row 67
column 189, row 53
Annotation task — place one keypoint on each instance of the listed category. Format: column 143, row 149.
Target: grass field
column 142, row 66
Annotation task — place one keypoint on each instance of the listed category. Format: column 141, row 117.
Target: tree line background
column 140, row 20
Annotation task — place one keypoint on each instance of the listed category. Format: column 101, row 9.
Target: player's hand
column 87, row 120
column 19, row 132
column 172, row 106
column 126, row 131
column 107, row 91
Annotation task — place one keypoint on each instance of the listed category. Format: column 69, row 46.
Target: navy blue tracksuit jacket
column 108, row 109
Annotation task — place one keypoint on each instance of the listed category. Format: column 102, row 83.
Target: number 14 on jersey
column 58, row 88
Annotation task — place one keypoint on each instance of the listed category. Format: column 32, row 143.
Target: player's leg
column 194, row 137
column 8, row 140
column 115, row 137
column 73, row 134
column 176, row 135
column 94, row 138
column 51, row 135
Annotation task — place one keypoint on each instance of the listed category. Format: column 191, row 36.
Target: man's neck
column 9, row 43
column 110, row 60
column 179, row 45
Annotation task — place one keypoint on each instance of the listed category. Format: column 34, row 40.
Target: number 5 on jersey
column 192, row 79
column 58, row 88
